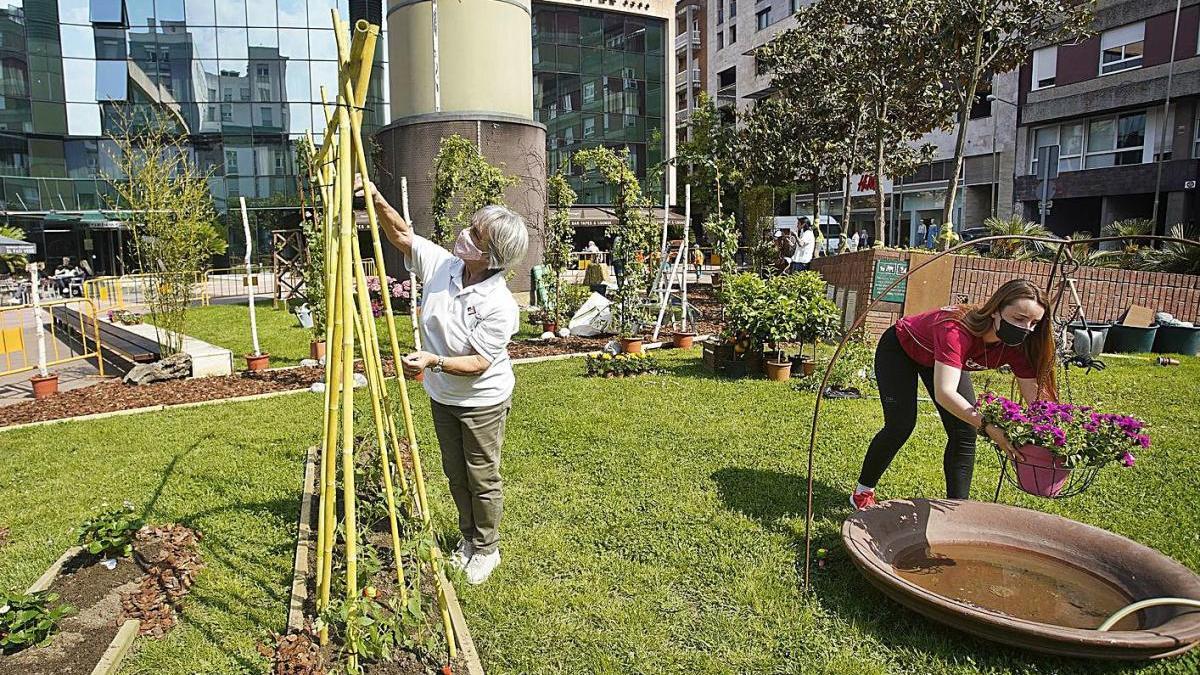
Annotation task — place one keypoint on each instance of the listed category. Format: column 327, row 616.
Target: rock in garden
column 309, row 363
column 360, row 380
column 564, row 332
column 317, row 388
column 547, row 335
column 174, row 367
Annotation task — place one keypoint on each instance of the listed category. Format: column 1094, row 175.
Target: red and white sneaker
column 862, row 501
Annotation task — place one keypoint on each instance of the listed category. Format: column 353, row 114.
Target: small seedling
column 29, row 620
column 111, row 533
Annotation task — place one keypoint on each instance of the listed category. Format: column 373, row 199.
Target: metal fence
column 135, row 290
column 18, row 336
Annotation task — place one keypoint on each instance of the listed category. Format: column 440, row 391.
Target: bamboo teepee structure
column 351, row 330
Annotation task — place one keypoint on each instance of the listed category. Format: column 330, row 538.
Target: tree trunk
column 845, row 241
column 816, row 195
column 879, row 210
column 964, row 116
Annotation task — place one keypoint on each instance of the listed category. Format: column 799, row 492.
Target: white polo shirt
column 456, row 321
column 805, row 247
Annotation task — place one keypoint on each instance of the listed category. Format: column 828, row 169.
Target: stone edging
column 300, row 573
column 152, row 408
column 110, row 661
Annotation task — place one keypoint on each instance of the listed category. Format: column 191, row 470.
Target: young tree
column 976, row 39
column 710, row 158
column 167, row 196
column 633, row 233
column 461, row 174
column 557, row 235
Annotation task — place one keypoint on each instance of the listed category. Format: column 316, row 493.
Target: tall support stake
column 250, row 280
column 414, row 291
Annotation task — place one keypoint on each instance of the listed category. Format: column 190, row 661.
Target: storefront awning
column 10, row 246
column 93, row 220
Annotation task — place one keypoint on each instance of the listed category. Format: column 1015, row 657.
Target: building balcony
column 728, row 92
column 681, row 40
column 682, row 80
column 682, row 116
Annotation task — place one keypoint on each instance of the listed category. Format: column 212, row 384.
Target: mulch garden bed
column 701, row 297
column 146, row 586
column 112, row 395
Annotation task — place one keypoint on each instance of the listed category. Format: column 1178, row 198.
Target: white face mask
column 465, row 248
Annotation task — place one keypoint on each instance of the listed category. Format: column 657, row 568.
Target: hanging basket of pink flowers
column 1062, row 446
column 401, row 292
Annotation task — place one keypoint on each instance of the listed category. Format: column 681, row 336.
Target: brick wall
column 1105, row 292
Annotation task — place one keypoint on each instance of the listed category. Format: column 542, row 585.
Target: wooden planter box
column 714, row 356
column 108, row 661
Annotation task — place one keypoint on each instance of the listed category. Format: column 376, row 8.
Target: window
column 267, row 118
column 720, row 14
column 264, row 73
column 212, row 94
column 763, row 18
column 112, row 80
column 279, row 163
column 264, row 94
column 732, row 34
column 245, row 92
column 212, row 113
column 1045, row 63
column 226, row 112
column 108, row 11
column 231, row 166
column 793, row 6
column 228, row 93
column 732, row 8
column 720, row 40
column 1121, row 48
column 1196, row 140
column 1114, row 140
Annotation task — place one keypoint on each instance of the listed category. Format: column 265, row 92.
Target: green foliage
column 722, row 234
column 854, row 368
column 29, row 620
column 710, row 159
column 785, row 308
column 111, row 533
column 464, row 177
column 621, row 365
column 1015, row 249
column 168, row 197
column 1173, row 256
column 12, row 263
column 633, row 233
column 376, row 630
column 314, row 238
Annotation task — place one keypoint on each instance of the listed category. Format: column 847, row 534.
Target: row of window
column 591, row 28
column 567, row 59
column 291, row 13
column 86, row 42
column 1111, row 140
column 1121, row 49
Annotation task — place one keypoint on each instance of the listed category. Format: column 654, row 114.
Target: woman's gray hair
column 508, row 238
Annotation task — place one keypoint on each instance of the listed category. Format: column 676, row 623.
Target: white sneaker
column 481, row 567
column 462, row 555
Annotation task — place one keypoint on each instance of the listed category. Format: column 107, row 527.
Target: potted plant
column 818, row 316
column 1055, row 439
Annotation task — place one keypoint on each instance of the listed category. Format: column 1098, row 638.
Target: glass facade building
column 599, row 80
column 241, row 77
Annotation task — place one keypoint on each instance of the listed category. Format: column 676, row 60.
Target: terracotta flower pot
column 780, row 371
column 808, row 367
column 1042, row 473
column 631, row 345
column 44, row 387
column 257, row 363
column 683, row 340
column 316, row 350
column 549, row 327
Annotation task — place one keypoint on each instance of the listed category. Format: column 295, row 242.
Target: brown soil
column 113, row 395
column 701, row 297
column 98, row 595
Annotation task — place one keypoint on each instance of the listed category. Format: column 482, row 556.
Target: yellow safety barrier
column 18, row 336
column 133, row 290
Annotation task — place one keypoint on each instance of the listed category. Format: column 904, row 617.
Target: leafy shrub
column 111, row 533
column 29, row 620
column 855, row 368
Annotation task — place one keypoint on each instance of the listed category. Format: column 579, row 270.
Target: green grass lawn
column 653, row 524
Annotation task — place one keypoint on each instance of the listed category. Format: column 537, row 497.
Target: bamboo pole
column 331, row 338
column 414, row 291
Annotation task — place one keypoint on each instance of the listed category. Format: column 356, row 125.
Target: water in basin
column 1016, row 582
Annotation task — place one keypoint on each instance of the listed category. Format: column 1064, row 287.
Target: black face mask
column 1011, row 334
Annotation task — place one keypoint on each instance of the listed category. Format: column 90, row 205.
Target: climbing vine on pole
column 633, row 233
column 463, row 178
column 558, row 233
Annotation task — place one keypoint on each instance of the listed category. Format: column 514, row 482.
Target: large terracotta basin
column 1055, row 582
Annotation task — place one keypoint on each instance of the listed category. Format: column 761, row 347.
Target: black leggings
column 897, row 375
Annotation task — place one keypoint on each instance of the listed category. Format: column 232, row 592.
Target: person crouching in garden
column 941, row 347
column 467, row 318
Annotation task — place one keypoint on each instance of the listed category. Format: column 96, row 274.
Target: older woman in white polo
column 468, row 316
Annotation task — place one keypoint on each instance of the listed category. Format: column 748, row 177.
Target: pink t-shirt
column 937, row 335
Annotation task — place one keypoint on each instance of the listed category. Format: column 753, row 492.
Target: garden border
column 151, row 408
column 574, row 355
column 114, row 654
column 300, row 573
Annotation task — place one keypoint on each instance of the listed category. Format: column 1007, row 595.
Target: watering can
column 304, row 314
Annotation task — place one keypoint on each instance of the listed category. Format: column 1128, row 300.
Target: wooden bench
column 114, row 340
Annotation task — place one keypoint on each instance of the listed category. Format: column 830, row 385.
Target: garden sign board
column 887, row 272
